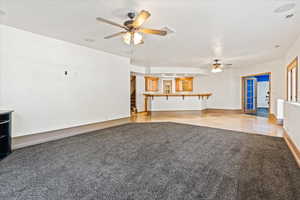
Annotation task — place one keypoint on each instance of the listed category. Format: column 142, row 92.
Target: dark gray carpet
column 153, row 161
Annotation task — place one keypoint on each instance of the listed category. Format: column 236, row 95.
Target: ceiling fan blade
column 141, row 18
column 115, row 35
column 153, row 31
column 110, row 22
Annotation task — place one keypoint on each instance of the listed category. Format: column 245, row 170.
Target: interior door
column 250, row 95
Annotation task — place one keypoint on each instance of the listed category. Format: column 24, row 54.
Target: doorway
column 256, row 94
column 167, row 86
column 133, row 109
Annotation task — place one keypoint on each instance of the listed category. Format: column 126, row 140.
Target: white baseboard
column 29, row 140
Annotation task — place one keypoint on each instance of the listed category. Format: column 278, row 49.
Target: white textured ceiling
column 236, row 31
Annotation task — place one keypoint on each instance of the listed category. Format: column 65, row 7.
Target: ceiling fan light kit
column 133, row 38
column 216, row 67
column 216, row 70
column 133, row 28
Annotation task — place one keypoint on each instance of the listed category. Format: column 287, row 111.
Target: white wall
column 227, row 88
column 97, row 87
column 291, row 124
column 262, row 92
column 140, row 90
column 224, row 89
column 137, row 69
column 1, row 57
column 176, row 70
column 177, row 103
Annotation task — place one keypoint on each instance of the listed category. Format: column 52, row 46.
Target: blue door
column 250, row 94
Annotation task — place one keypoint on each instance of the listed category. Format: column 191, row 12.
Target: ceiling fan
column 133, row 28
column 218, row 67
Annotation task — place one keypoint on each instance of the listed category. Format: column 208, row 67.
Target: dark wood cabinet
column 5, row 133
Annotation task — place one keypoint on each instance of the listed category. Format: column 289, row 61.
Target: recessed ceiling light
column 289, row 16
column 277, row 46
column 285, row 8
column 89, row 40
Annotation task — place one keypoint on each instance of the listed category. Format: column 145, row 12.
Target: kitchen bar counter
column 175, row 101
column 178, row 95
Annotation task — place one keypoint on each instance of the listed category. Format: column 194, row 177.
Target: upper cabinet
column 184, row 84
column 151, row 84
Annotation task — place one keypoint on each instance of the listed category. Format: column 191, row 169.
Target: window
column 292, row 81
column 184, row 84
column 151, row 84
column 167, row 86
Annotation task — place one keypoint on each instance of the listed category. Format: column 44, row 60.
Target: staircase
column 133, row 95
column 133, row 102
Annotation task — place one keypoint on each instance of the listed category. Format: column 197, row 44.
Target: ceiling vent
column 289, row 16
column 285, row 8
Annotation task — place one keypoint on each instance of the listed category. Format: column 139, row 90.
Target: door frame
column 291, row 66
column 243, row 89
